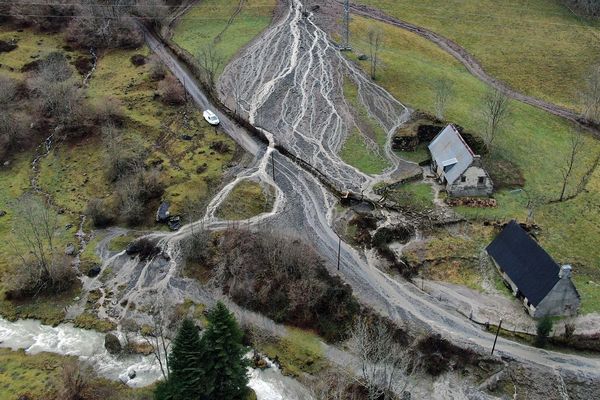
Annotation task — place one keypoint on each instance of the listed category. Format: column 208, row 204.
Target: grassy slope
column 201, row 25
column 416, row 195
column 354, row 151
column 537, row 46
column 247, row 199
column 536, row 142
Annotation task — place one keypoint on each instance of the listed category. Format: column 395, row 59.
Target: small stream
column 87, row 345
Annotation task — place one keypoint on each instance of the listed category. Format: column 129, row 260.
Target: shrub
column 220, row 147
column 45, row 15
column 286, row 280
column 157, row 69
column 171, row 91
column 544, row 327
column 90, row 29
column 109, row 111
column 99, row 213
column 138, row 60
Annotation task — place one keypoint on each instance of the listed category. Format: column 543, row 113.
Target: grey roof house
column 533, row 276
column 457, row 167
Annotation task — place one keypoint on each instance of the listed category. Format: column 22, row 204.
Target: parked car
column 210, row 117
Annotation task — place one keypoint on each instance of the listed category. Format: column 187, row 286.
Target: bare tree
column 333, row 384
column 76, row 380
column 210, row 61
column 8, row 91
column 43, row 266
column 444, row 90
column 576, row 145
column 384, row 366
column 496, row 111
column 375, row 37
column 158, row 336
column 591, row 95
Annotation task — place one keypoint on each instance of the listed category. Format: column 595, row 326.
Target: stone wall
column 557, row 302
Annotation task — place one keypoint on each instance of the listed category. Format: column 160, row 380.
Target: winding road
column 281, row 95
column 473, row 65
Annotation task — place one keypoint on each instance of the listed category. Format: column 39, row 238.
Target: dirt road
column 474, row 66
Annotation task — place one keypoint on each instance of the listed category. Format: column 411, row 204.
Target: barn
column 544, row 287
column 457, row 167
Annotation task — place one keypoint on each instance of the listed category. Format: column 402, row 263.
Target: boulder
column 70, row 250
column 112, row 344
column 186, row 137
column 363, row 57
column 174, row 223
column 2, row 213
column 5, row 47
column 131, row 373
column 94, row 271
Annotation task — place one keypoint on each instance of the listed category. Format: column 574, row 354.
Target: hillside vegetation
column 535, row 142
column 152, row 131
column 538, row 47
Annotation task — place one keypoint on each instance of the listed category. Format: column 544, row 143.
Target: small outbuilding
column 533, row 276
column 457, row 167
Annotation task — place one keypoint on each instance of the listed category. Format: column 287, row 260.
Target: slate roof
column 449, row 145
column 530, row 268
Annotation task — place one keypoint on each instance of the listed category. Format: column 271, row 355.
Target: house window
column 481, row 180
column 463, row 179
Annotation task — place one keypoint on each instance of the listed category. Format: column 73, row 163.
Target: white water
column 65, row 339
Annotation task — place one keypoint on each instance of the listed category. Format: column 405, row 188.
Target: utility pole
column 496, row 338
column 346, row 45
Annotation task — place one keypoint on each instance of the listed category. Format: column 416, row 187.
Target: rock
column 70, row 250
column 314, row 8
column 131, row 373
column 186, row 137
column 112, row 344
column 174, row 223
column 6, row 163
column 2, row 213
column 133, row 248
column 68, row 226
column 94, row 271
column 363, row 57
column 5, row 47
column 201, row 168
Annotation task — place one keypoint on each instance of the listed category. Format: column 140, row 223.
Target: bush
column 109, row 111
column 45, row 15
column 99, row 213
column 90, row 29
column 544, row 327
column 157, row 69
column 286, row 280
column 220, row 147
column 135, row 191
column 138, row 60
column 171, row 91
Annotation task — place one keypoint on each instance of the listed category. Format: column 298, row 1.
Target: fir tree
column 224, row 363
column 186, row 379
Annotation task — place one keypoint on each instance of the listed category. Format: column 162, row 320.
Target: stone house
column 533, row 276
column 457, row 167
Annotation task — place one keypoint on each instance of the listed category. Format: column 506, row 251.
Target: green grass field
column 538, row 46
column 535, row 141
column 246, row 200
column 415, row 195
column 206, row 24
column 354, row 151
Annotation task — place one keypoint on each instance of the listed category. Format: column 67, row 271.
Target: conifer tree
column 223, row 361
column 186, row 379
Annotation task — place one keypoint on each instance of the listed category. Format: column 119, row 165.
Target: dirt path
column 474, row 67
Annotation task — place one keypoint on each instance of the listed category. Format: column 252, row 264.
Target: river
column 87, row 345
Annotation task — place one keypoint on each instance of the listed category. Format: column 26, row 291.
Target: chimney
column 565, row 272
